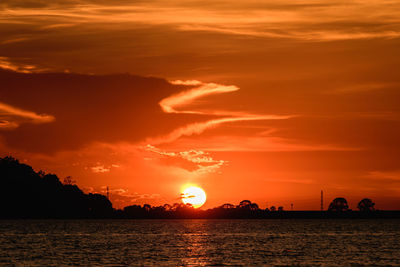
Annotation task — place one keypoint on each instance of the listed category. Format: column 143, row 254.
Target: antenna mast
column 322, row 200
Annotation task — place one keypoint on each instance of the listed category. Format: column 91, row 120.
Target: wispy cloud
column 361, row 88
column 306, row 20
column 183, row 103
column 171, row 103
column 12, row 41
column 200, row 127
column 5, row 63
column 392, row 177
column 187, row 97
column 255, row 143
column 12, row 117
column 100, row 169
column 202, row 161
column 103, row 168
column 299, row 34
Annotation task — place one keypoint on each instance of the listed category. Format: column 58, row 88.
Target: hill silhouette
column 30, row 194
column 37, row 195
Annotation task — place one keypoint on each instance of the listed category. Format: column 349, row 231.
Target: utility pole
column 322, row 200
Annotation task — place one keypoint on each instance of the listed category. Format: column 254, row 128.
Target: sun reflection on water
column 198, row 245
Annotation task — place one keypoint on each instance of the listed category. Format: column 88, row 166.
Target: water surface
column 200, row 242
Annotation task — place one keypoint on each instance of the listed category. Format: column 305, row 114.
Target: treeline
column 29, row 194
column 249, row 210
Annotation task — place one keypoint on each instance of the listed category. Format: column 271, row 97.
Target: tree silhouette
column 254, row 206
column 31, row 194
column 68, row 180
column 366, row 205
column 228, row 206
column 245, row 204
column 339, row 204
column 99, row 206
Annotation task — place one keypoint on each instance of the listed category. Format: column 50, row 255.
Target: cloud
column 127, row 194
column 200, row 162
column 267, row 40
column 185, row 98
column 186, row 196
column 199, row 127
column 255, row 143
column 100, row 169
column 5, row 63
column 171, row 103
column 388, row 177
column 11, row 117
column 5, row 124
column 187, row 82
column 304, row 35
column 362, row 88
column 307, row 21
column 83, row 108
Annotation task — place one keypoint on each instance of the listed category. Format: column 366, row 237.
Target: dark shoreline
column 260, row 214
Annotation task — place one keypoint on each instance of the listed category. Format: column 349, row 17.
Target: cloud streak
column 100, row 169
column 200, row 127
column 11, row 117
column 181, row 104
column 202, row 161
column 172, row 104
column 307, row 20
column 6, row 64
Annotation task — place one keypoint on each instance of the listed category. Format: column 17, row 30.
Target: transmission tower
column 322, row 200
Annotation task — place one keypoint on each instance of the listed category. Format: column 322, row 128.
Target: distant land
column 27, row 194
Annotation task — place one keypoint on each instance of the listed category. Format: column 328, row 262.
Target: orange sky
column 270, row 101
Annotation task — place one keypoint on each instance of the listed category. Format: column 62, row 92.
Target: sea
column 274, row 242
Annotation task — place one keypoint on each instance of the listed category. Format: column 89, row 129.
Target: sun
column 193, row 195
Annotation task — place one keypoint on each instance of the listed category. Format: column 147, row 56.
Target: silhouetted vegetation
column 30, row 194
column 366, row 205
column 339, row 204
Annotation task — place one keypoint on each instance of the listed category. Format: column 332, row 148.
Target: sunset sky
column 271, row 101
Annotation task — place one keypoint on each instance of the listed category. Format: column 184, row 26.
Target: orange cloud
column 100, row 169
column 301, row 20
column 185, row 98
column 200, row 127
column 203, row 162
column 6, row 64
column 256, row 143
column 170, row 104
column 12, row 117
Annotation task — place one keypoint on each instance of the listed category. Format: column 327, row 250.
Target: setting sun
column 194, row 195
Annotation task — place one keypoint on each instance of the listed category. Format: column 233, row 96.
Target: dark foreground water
column 200, row 242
